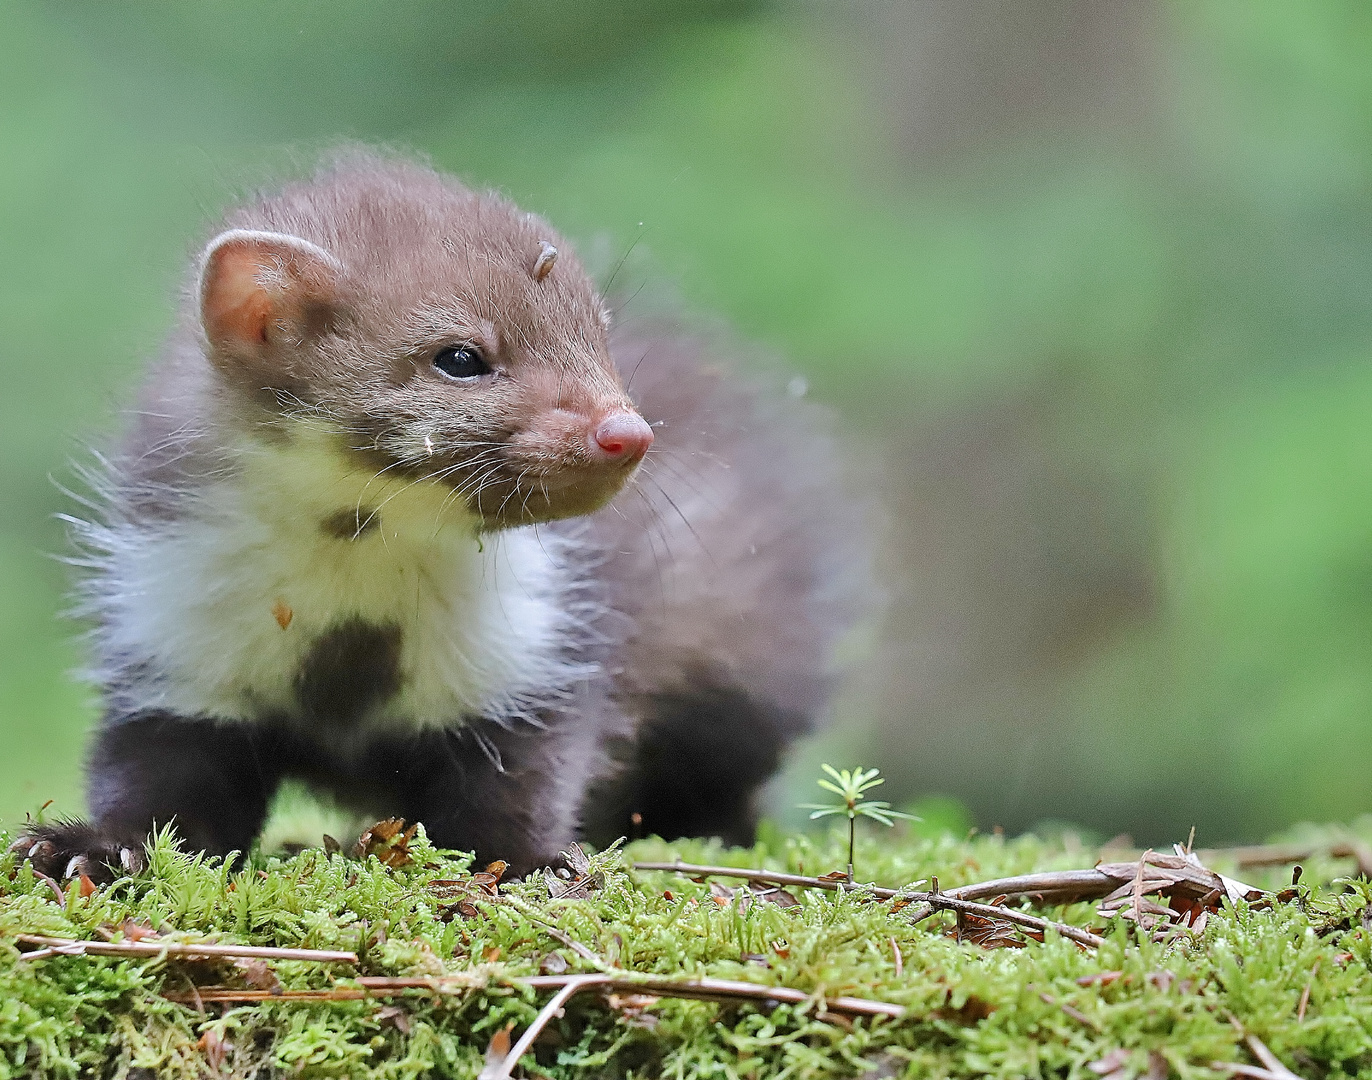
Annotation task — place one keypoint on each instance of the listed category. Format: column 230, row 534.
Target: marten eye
column 461, row 362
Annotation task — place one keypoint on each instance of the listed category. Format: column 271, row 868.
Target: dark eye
column 461, row 362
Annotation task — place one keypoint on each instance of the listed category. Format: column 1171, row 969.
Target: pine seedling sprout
column 850, row 785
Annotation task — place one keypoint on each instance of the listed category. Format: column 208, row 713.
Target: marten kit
column 401, row 514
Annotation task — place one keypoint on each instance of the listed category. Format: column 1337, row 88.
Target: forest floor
column 1167, row 970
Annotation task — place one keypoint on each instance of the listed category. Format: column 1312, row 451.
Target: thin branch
column 772, row 877
column 704, row 989
column 1249, row 1072
column 1272, row 1067
column 723, row 989
column 1074, row 883
column 1304, row 1002
column 211, row 994
column 367, row 986
column 443, row 984
column 1051, row 888
column 937, row 901
column 1285, row 854
column 1270, row 1061
column 74, row 947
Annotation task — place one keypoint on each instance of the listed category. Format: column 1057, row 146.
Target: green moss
column 971, row 1012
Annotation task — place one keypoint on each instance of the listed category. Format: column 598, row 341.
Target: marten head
column 443, row 334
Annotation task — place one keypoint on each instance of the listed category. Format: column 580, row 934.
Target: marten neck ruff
column 215, row 609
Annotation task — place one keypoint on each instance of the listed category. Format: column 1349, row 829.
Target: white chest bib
column 214, row 613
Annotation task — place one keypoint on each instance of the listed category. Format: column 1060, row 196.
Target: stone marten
column 401, row 515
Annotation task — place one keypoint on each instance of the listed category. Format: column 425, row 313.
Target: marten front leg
column 508, row 794
column 211, row 781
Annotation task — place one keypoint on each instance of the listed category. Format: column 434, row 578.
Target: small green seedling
column 849, row 784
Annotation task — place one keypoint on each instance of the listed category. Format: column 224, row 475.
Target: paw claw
column 41, row 851
column 77, row 867
column 132, row 861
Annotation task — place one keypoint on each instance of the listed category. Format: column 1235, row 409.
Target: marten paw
column 68, row 849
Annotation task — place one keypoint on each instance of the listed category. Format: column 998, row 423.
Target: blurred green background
column 1086, row 280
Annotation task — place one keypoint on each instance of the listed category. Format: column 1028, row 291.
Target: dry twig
column 1269, row 1060
column 942, row 901
column 772, row 877
column 74, row 947
column 1286, row 854
column 952, row 900
column 704, row 989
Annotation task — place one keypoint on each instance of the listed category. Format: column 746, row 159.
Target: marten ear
column 254, row 285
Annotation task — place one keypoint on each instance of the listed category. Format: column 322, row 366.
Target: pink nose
column 623, row 436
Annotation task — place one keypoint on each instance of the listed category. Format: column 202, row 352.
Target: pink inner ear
column 236, row 309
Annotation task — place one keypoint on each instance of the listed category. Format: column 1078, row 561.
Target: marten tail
column 738, row 558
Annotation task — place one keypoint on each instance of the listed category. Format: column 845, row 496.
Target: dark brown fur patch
column 350, row 523
column 350, row 669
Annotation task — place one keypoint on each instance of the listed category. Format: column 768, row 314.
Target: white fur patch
column 192, row 610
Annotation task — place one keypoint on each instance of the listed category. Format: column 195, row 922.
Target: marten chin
column 390, row 522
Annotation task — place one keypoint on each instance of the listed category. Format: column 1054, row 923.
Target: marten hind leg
column 210, row 781
column 694, row 769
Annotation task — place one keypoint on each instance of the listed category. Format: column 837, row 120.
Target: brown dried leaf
column 215, row 1048
column 388, row 840
column 578, row 862
column 1160, row 980
column 485, row 883
column 1112, row 1062
column 87, row 887
column 634, row 1008
column 1104, row 978
column 773, row 894
column 399, row 1019
column 259, row 975
column 972, row 1011
column 577, row 883
column 499, row 1047
column 1192, row 889
column 465, row 908
column 990, row 933
column 553, row 963
column 136, row 931
column 577, row 889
